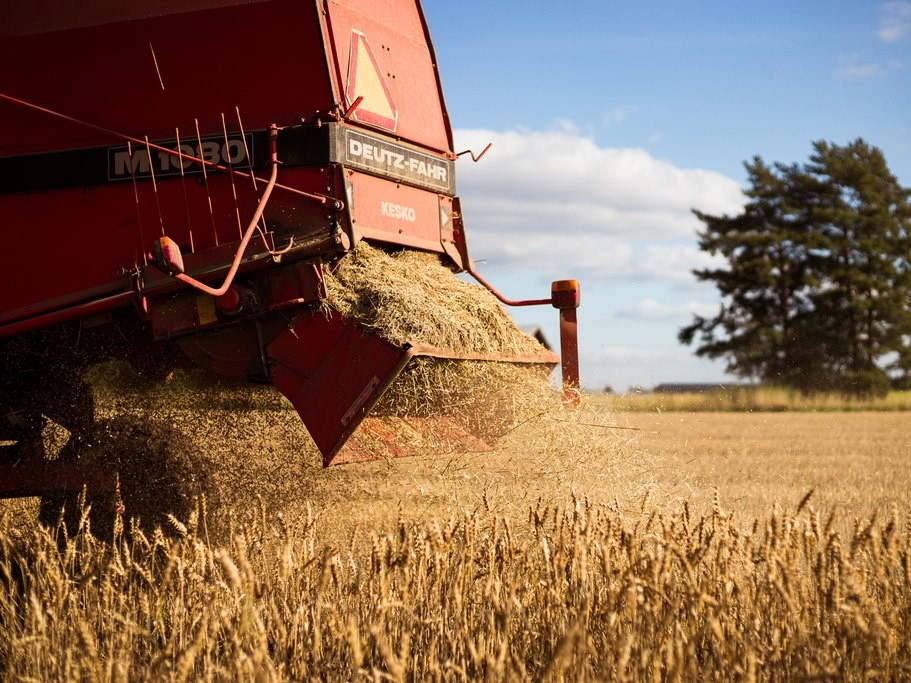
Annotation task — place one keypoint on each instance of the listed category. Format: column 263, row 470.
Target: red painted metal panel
column 148, row 76
column 70, row 241
column 89, row 238
column 26, row 18
column 333, row 373
column 396, row 33
column 392, row 212
column 81, row 239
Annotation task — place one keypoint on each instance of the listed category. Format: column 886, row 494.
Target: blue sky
column 610, row 121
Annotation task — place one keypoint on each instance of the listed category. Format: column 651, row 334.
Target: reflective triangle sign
column 366, row 80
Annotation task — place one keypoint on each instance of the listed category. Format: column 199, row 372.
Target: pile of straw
column 410, row 297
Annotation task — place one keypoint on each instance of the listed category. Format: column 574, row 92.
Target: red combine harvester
column 180, row 175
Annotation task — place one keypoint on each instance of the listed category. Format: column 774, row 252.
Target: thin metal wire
column 157, row 70
column 243, row 136
column 142, row 240
column 183, row 183
column 205, row 180
column 154, row 185
column 224, row 130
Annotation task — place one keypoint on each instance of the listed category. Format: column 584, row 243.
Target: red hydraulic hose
column 509, row 302
column 565, row 298
column 251, row 228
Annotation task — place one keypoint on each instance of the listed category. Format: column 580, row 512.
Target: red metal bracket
column 334, row 371
column 564, row 297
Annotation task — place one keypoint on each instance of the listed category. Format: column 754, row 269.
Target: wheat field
column 586, row 545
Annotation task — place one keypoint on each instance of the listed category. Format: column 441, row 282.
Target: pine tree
column 815, row 293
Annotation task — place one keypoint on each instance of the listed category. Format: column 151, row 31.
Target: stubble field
column 857, row 463
column 585, row 546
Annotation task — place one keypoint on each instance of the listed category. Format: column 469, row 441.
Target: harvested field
column 586, row 546
column 858, row 464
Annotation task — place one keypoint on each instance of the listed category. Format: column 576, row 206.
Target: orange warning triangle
column 365, row 80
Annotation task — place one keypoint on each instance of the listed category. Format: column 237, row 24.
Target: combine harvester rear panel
column 181, row 175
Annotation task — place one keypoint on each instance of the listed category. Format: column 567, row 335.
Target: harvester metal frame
column 247, row 306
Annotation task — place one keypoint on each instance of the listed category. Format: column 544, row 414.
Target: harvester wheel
column 158, row 476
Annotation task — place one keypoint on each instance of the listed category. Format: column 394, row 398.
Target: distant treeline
column 748, row 398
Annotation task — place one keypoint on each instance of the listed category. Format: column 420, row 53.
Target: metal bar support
column 565, row 298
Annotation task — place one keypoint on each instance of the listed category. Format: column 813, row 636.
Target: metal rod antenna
column 224, row 130
column 205, row 180
column 142, row 240
column 154, row 185
column 183, row 183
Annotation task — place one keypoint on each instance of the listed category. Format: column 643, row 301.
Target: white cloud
column 618, row 114
column 551, row 252
column 571, row 172
column 540, row 199
column 596, row 255
column 894, row 21
column 855, row 69
column 650, row 309
column 675, row 262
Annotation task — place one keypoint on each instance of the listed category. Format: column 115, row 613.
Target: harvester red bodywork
column 183, row 171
